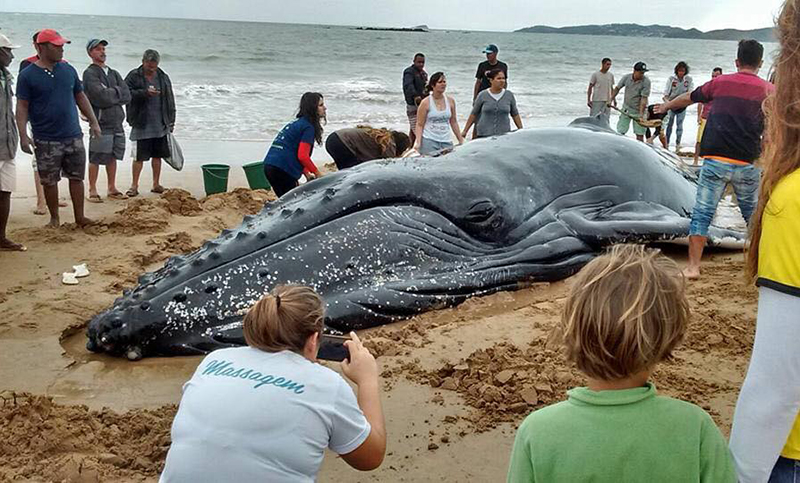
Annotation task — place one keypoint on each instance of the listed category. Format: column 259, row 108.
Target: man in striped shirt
column 731, row 143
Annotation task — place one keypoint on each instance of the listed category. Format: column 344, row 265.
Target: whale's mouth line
column 388, row 203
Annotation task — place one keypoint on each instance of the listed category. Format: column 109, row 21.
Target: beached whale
column 389, row 239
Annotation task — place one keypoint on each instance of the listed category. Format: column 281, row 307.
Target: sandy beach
column 456, row 382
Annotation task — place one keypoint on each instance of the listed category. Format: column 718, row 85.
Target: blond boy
column 627, row 312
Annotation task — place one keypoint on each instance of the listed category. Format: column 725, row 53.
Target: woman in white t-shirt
column 268, row 411
column 436, row 117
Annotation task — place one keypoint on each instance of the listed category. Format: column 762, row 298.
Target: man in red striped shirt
column 731, row 143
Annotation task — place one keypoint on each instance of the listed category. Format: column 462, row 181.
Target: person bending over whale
column 289, row 156
column 352, row 146
column 268, row 411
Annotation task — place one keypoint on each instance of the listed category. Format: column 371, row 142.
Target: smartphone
column 332, row 348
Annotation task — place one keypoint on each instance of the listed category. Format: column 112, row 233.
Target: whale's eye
column 480, row 211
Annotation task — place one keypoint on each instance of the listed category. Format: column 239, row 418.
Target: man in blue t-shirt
column 48, row 92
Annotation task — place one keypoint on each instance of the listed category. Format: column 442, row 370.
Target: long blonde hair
column 382, row 136
column 782, row 151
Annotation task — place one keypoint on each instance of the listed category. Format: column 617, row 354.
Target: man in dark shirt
column 151, row 114
column 414, row 80
column 481, row 81
column 731, row 143
column 49, row 93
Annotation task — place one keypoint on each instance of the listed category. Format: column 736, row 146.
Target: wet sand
column 456, row 381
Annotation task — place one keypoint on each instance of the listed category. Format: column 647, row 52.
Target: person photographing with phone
column 266, row 412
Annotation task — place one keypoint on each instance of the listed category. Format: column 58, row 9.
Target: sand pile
column 44, row 440
column 164, row 246
column 181, row 202
column 140, row 216
column 242, row 200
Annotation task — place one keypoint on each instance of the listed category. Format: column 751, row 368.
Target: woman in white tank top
column 436, row 117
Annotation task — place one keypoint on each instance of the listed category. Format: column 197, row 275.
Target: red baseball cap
column 50, row 36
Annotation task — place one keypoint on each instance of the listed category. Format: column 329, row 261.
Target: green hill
column 659, row 31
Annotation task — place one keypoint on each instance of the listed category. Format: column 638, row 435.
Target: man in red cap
column 48, row 92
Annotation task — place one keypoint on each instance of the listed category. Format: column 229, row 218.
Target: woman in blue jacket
column 289, row 156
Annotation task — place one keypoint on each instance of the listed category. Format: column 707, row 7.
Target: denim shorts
column 715, row 176
column 785, row 471
column 428, row 146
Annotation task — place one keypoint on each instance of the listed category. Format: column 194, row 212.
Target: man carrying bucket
column 151, row 114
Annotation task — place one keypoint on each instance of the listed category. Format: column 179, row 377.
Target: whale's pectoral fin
column 633, row 221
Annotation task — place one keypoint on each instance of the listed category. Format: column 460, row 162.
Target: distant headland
column 659, row 31
column 418, row 28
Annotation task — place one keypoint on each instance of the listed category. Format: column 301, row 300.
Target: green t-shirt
column 630, row 435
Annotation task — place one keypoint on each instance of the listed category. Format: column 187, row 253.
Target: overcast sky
column 498, row 15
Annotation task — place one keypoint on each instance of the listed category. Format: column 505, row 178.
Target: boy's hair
column 750, row 53
column 626, row 312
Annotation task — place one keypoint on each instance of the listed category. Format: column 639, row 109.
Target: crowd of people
column 49, row 94
column 626, row 312
column 432, row 118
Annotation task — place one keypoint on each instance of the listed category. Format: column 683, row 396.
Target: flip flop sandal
column 80, row 270
column 94, row 199
column 131, row 193
column 158, row 189
column 68, row 278
column 117, row 196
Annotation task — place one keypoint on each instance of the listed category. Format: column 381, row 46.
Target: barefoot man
column 731, row 143
column 48, row 92
column 8, row 143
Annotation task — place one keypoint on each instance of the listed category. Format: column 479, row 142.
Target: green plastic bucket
column 215, row 178
column 255, row 176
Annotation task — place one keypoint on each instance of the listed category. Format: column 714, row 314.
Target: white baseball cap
column 4, row 42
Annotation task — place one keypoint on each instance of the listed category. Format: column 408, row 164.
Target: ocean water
column 240, row 82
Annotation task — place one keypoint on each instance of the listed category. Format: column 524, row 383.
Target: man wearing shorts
column 414, row 80
column 107, row 92
column 8, row 143
column 637, row 90
column 151, row 114
column 48, row 93
column 702, row 115
column 731, row 143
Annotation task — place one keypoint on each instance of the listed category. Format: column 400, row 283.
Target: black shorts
column 341, row 154
column 279, row 179
column 152, row 148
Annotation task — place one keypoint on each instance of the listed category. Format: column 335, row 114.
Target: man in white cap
column 108, row 92
column 8, row 143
